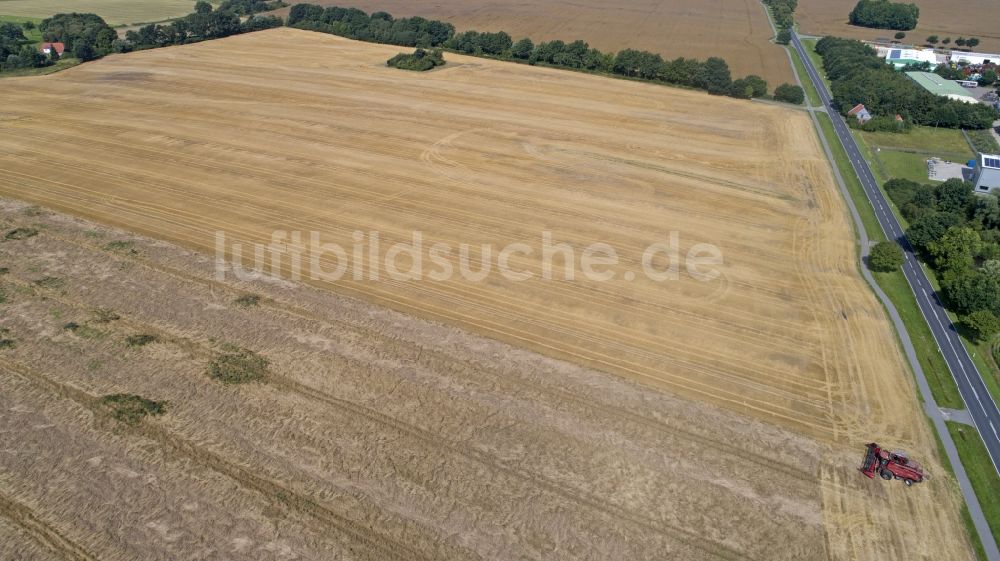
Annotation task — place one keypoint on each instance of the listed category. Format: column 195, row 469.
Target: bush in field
column 883, row 14
column 885, row 257
column 238, row 367
column 420, row 60
column 132, row 409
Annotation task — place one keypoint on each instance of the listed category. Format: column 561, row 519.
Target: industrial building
column 974, row 58
column 987, row 173
column 941, row 86
column 903, row 57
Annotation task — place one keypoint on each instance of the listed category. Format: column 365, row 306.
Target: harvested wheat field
column 756, row 390
column 954, row 18
column 736, row 30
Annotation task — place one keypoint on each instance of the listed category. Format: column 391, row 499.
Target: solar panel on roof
column 894, row 54
column 991, row 162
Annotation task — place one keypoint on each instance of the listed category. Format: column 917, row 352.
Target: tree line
column 958, row 234
column 712, row 75
column 782, row 12
column 203, row 24
column 858, row 75
column 883, row 14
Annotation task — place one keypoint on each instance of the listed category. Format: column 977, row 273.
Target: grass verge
column 811, row 94
column 980, row 470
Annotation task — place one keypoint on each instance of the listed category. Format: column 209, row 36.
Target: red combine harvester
column 891, row 465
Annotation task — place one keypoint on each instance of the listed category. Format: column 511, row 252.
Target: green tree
column 83, row 52
column 522, row 49
column 956, row 249
column 988, row 77
column 715, row 77
column 758, row 84
column 900, row 35
column 784, row 36
column 202, row 7
column 932, row 39
column 29, row 25
column 960, row 41
column 789, row 94
column 984, row 323
column 971, row 42
column 946, row 41
column 885, row 257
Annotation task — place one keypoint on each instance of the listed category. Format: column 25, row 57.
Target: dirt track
column 178, row 143
column 736, row 30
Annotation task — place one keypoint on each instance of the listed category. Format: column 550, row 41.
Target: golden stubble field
column 246, row 135
column 954, row 18
column 736, row 30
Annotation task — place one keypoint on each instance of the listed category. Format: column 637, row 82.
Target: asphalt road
column 983, row 410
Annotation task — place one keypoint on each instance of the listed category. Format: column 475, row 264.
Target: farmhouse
column 903, row 57
column 861, row 113
column 987, row 174
column 941, row 86
column 47, row 48
column 975, row 58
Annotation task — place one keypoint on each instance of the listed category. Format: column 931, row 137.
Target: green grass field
column 981, row 472
column 115, row 12
column 810, row 45
column 33, row 35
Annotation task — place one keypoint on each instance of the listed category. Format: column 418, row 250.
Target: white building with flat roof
column 903, row 57
column 987, row 174
column 974, row 58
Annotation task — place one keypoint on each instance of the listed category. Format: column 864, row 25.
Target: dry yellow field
column 736, row 30
column 248, row 135
column 954, row 18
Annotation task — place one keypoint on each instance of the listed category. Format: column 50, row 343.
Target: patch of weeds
column 52, row 283
column 56, row 314
column 5, row 343
column 141, row 340
column 247, row 301
column 93, row 364
column 93, row 234
column 21, row 234
column 122, row 246
column 33, row 211
column 3, row 296
column 84, row 331
column 4, row 270
column 132, row 409
column 105, row 315
column 238, row 367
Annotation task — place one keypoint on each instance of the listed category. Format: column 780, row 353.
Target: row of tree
column 250, row 7
column 883, row 14
column 712, row 75
column 420, row 60
column 958, row 234
column 782, row 12
column 378, row 27
column 17, row 52
column 204, row 24
column 858, row 75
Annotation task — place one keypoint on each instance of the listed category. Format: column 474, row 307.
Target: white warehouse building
column 974, row 58
column 987, row 174
column 902, row 57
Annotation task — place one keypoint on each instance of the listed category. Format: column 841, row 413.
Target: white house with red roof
column 47, row 48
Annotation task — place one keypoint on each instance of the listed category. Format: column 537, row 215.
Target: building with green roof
column 941, row 86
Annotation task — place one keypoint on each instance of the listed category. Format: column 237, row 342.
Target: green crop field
column 115, row 12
